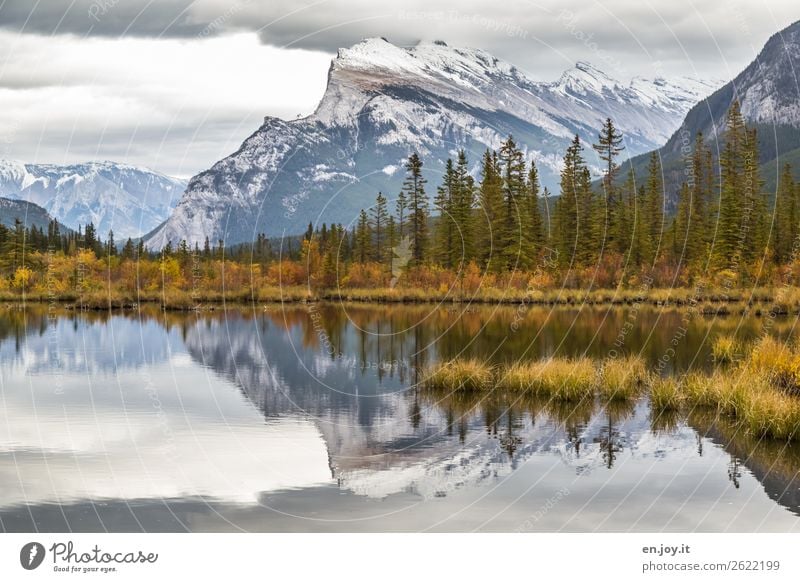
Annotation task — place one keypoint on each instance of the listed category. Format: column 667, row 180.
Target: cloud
column 177, row 84
column 534, row 34
column 167, row 104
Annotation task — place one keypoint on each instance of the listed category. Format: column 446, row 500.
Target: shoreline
column 761, row 301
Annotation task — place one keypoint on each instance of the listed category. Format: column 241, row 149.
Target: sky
column 175, row 85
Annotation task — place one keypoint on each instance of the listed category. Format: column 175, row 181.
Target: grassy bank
column 759, row 389
column 762, row 301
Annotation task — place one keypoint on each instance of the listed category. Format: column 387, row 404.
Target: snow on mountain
column 129, row 200
column 768, row 93
column 381, row 103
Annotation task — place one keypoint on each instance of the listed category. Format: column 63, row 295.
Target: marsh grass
column 560, row 378
column 666, row 395
column 759, row 392
column 778, row 362
column 622, row 378
column 460, row 374
column 726, row 349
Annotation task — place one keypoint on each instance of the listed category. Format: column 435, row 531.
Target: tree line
column 494, row 224
column 724, row 219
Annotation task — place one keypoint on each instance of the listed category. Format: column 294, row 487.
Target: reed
column 460, row 374
column 622, row 378
column 560, row 378
column 666, row 395
column 725, row 349
column 778, row 362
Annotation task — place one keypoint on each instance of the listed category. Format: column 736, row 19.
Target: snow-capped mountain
column 127, row 199
column 768, row 91
column 381, row 103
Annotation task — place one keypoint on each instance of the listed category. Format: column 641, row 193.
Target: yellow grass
column 622, row 378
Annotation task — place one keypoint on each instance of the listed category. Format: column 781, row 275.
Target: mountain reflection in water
column 310, row 418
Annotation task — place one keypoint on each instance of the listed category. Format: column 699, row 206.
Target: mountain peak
column 583, row 79
column 384, row 101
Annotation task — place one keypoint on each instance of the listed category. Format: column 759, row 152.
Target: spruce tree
column 514, row 236
column 380, row 218
column 653, row 211
column 608, row 147
column 446, row 228
column 363, row 236
column 491, row 218
column 414, row 189
column 463, row 212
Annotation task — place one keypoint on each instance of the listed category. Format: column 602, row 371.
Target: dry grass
column 622, row 378
column 725, row 349
column 460, row 374
column 778, row 362
column 560, row 378
column 666, row 395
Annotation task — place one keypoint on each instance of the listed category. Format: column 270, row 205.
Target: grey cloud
column 164, row 18
column 541, row 36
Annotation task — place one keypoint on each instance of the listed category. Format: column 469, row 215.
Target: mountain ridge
column 129, row 199
column 381, row 103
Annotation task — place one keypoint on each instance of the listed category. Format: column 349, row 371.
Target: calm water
column 308, row 419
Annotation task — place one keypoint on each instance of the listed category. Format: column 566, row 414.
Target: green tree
column 608, row 147
column 380, row 219
column 363, row 238
column 414, row 189
column 491, row 204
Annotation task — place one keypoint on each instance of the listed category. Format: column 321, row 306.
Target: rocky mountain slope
column 381, row 103
column 127, row 199
column 768, row 91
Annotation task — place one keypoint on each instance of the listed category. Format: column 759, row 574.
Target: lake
column 309, row 418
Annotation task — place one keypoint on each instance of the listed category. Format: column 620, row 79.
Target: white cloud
column 174, row 105
column 190, row 79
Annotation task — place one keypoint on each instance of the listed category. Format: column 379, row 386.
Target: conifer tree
column 574, row 224
column 653, row 210
column 514, row 236
column 608, row 147
column 491, row 219
column 446, row 228
column 787, row 216
column 363, row 236
column 414, row 188
column 380, row 218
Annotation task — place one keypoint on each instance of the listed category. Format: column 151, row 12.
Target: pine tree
column 787, row 216
column 111, row 246
column 380, row 218
column 463, row 211
column 537, row 232
column 514, row 236
column 414, row 188
column 700, row 225
column 491, row 204
column 608, row 147
column 402, row 209
column 653, row 211
column 446, row 229
column 731, row 203
column 575, row 226
column 363, row 236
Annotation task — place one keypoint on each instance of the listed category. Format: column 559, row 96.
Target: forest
column 492, row 236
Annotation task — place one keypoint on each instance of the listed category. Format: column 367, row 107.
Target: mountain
column 127, row 199
column 381, row 103
column 769, row 94
column 29, row 213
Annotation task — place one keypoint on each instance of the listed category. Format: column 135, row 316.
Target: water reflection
column 110, row 417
